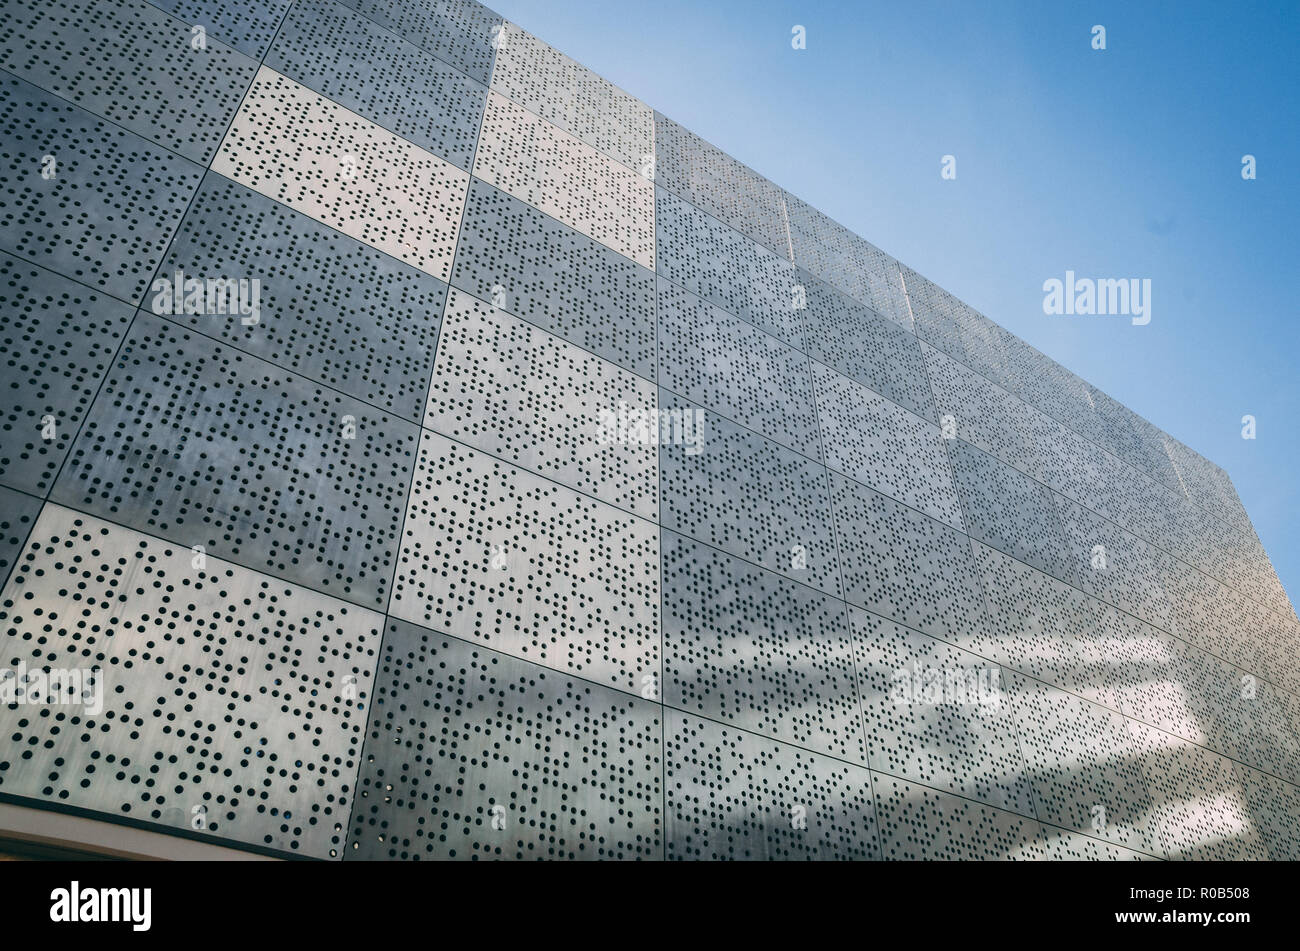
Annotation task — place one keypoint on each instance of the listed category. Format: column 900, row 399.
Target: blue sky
column 1117, row 163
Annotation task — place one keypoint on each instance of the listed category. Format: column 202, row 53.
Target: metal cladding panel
column 199, row 443
column 719, row 264
column 378, row 74
column 748, row 496
column 1085, row 770
column 917, row 822
column 1117, row 566
column 527, row 263
column 131, row 63
column 567, row 94
column 714, row 358
column 982, row 413
column 885, row 446
column 864, row 346
column 59, row 337
column 902, row 564
column 461, row 32
column 680, row 520
column 229, row 703
column 571, row 181
column 734, row 795
column 495, row 554
column 17, row 515
column 1010, row 511
column 330, row 308
column 317, row 157
column 111, row 201
column 247, row 25
column 710, row 179
column 754, row 649
column 533, row 400
column 472, row 754
column 937, row 715
column 1199, row 810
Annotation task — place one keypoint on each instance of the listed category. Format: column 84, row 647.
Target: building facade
column 417, row 447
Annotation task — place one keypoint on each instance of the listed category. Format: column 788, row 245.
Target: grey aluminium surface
column 205, row 445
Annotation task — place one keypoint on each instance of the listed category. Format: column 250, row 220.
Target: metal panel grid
column 461, row 32
column 498, row 555
column 735, row 795
column 112, row 200
column 472, row 754
column 231, row 702
column 557, row 173
column 710, row 179
column 539, row 269
column 567, row 94
column 150, row 78
column 714, row 261
column 861, row 344
column 717, row 360
column 381, row 76
column 750, row 497
column 526, row 542
column 202, row 444
column 879, row 443
column 937, row 715
column 59, row 338
column 902, row 564
column 525, row 396
column 748, row 647
column 247, row 25
column 330, row 308
column 315, row 156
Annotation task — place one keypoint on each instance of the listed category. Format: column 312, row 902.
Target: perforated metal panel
column 496, row 554
column 917, row 822
column 202, row 444
column 1126, row 571
column 1274, row 807
column 658, row 550
column 982, row 414
column 458, row 31
column 748, row 647
column 247, row 25
column 330, row 308
column 58, row 338
column 735, row 795
column 1085, row 770
column 379, row 75
column 1199, row 811
column 861, row 344
column 885, row 446
column 471, row 754
column 150, row 78
column 556, row 278
column 525, row 396
column 231, row 702
column 17, row 514
column 557, row 173
column 315, row 156
column 750, row 497
column 902, row 564
column 1009, row 510
column 107, row 212
column 710, row 179
column 717, row 360
column 937, row 715
column 1042, row 627
column 563, row 92
column 719, row 264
